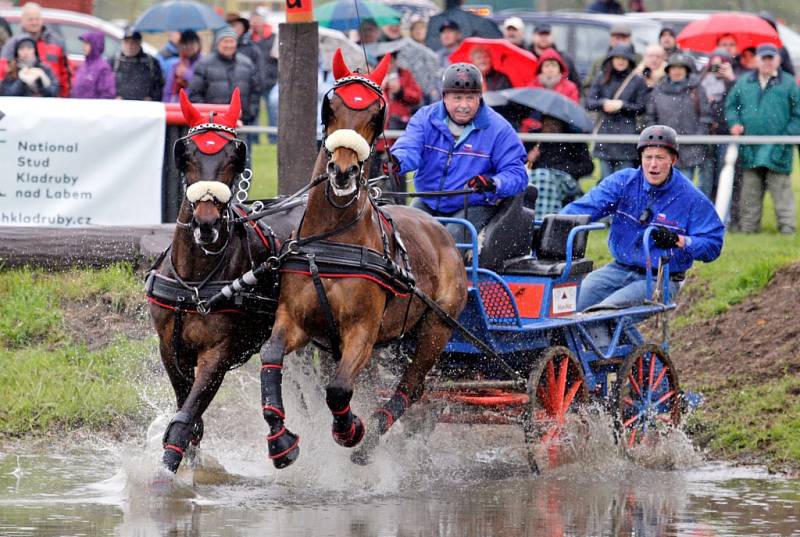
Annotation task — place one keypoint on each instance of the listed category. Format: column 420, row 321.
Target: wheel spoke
column 665, row 397
column 628, row 401
column 562, row 386
column 639, row 372
column 635, row 385
column 573, row 391
column 659, row 378
column 652, row 371
column 551, row 382
column 632, row 420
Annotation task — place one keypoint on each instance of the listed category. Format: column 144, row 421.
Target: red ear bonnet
column 211, row 141
column 358, row 96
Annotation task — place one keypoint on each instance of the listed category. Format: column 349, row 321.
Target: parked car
column 679, row 19
column 71, row 24
column 584, row 36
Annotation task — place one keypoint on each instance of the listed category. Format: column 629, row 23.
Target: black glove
column 391, row 166
column 664, row 238
column 481, row 183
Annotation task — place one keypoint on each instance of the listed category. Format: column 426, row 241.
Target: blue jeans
column 607, row 167
column 615, row 286
column 477, row 215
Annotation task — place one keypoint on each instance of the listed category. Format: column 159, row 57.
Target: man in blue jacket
column 656, row 194
column 459, row 143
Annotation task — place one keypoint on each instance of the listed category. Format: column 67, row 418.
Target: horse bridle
column 244, row 175
column 378, row 123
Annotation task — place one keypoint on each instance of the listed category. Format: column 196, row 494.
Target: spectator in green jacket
column 765, row 102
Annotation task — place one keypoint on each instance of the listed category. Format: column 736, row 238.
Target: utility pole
column 298, row 66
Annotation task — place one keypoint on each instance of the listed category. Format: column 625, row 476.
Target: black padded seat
column 509, row 233
column 552, row 250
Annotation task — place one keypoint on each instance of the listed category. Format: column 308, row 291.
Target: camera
column 646, row 72
column 714, row 68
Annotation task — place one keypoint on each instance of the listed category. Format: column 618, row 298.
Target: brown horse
column 210, row 247
column 355, row 311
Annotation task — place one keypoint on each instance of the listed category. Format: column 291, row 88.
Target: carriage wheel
column 556, row 388
column 648, row 396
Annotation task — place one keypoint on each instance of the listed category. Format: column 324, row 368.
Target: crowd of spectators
column 750, row 91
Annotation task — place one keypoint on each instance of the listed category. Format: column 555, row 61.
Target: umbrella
column 330, row 40
column 346, row 15
column 424, row 8
column 419, row 59
column 177, row 16
column 471, row 26
column 548, row 102
column 517, row 64
column 749, row 30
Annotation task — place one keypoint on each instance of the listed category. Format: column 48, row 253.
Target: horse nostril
column 352, row 171
column 333, row 169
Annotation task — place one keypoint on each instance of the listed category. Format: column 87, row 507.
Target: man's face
column 656, row 164
column 449, row 37
column 677, row 73
column 227, row 47
column 728, row 42
column 768, row 64
column 370, row 33
column 239, row 28
column 482, row 60
column 31, row 21
column 130, row 46
column 257, row 23
column 514, row 35
column 619, row 39
column 542, row 40
column 392, row 31
column 462, row 107
column 667, row 40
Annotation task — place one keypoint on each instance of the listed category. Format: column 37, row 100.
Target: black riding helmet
column 462, row 78
column 658, row 136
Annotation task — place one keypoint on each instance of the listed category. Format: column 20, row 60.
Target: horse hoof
column 172, row 458
column 353, row 436
column 284, row 449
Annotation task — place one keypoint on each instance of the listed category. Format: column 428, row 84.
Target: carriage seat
column 552, row 250
column 510, row 232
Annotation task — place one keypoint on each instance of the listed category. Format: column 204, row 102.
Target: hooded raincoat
column 95, row 78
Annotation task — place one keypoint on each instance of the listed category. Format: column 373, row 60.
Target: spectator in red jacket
column 49, row 46
column 552, row 73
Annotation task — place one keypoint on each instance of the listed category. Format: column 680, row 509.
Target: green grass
column 759, row 421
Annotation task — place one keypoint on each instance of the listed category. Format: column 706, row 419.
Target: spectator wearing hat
column 391, row 32
column 619, row 34
column 666, row 38
column 94, row 79
column 765, row 102
column 716, row 80
column 168, row 55
column 418, row 29
column 514, row 31
column 137, row 75
column 611, row 7
column 678, row 101
column 181, row 72
column 450, row 36
column 27, row 75
column 216, row 75
column 368, row 33
column 552, row 73
column 543, row 40
column 618, row 95
column 493, row 80
column 786, row 60
column 245, row 44
column 652, row 66
column 49, row 45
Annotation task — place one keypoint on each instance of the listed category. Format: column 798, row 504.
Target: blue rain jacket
column 676, row 205
column 489, row 146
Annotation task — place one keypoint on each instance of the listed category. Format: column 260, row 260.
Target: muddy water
column 459, row 482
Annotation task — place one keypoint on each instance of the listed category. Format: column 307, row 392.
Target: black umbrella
column 471, row 25
column 548, row 102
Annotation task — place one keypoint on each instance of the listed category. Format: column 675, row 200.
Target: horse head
column 353, row 115
column 210, row 158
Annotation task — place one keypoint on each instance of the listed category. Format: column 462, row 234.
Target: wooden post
column 298, row 66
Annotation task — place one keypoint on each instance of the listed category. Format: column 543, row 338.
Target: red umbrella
column 749, row 31
column 517, row 64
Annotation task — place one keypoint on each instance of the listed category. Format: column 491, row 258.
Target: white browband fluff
column 208, row 191
column 351, row 140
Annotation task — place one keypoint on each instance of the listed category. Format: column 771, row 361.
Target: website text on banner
column 80, row 162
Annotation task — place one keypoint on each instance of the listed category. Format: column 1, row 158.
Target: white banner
column 78, row 162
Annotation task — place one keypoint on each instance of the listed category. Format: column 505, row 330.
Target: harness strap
column 331, row 329
column 469, row 336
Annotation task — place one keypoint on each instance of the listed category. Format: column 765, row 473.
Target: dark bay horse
column 353, row 310
column 209, row 248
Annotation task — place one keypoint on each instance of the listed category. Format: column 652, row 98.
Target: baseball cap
column 132, row 33
column 667, row 30
column 766, row 49
column 620, row 29
column 513, row 22
column 542, row 28
column 449, row 24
